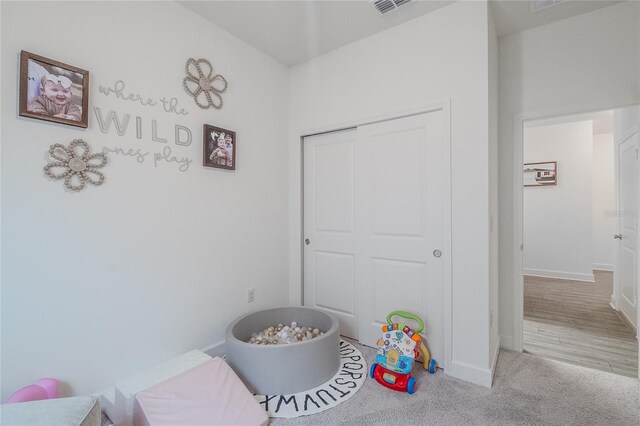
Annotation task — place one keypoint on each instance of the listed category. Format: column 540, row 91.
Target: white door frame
column 297, row 255
column 518, row 192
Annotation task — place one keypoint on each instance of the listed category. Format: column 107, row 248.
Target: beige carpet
column 527, row 391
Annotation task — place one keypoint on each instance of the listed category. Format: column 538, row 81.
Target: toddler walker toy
column 397, row 352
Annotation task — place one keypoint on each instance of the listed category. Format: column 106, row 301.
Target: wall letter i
column 139, row 127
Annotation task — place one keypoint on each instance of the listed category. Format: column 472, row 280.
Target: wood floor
column 572, row 321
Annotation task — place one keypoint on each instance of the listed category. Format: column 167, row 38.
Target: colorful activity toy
column 397, row 351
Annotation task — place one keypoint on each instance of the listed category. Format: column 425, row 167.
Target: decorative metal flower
column 203, row 87
column 75, row 165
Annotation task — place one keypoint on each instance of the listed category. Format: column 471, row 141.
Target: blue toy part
column 411, row 386
column 433, row 366
column 372, row 369
column 403, row 366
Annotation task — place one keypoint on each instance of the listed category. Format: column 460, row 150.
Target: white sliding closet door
column 329, row 264
column 374, row 225
column 400, row 224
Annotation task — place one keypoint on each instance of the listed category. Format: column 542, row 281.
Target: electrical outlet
column 251, row 295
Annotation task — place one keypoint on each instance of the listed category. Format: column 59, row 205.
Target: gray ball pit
column 288, row 368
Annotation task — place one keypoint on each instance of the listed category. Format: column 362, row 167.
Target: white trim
column 494, row 358
column 506, row 342
column 296, row 233
column 607, row 267
column 470, row 373
column 625, row 319
column 444, row 105
column 518, row 229
column 632, row 131
column 614, row 303
column 448, row 266
column 518, row 160
column 575, row 276
column 214, row 350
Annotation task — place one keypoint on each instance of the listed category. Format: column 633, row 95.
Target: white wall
column 439, row 56
column 605, row 222
column 101, row 284
column 558, row 219
column 588, row 62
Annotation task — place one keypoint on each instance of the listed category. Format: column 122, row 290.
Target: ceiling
column 512, row 17
column 296, row 31
column 602, row 121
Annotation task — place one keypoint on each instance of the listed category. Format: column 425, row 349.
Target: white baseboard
column 470, row 373
column 613, row 303
column 214, row 350
column 626, row 320
column 603, row 267
column 560, row 275
column 506, row 342
column 494, row 359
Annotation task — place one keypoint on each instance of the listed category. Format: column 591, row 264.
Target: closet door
column 329, row 257
column 628, row 226
column 399, row 224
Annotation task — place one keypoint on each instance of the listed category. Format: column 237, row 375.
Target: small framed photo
column 53, row 91
column 540, row 174
column 219, row 148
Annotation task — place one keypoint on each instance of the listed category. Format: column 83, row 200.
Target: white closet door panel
column 398, row 165
column 399, row 223
column 335, row 281
column 329, row 258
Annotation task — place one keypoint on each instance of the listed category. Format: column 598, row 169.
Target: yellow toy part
column 428, row 363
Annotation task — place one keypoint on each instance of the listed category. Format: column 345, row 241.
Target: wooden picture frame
column 219, row 147
column 540, row 174
column 53, row 91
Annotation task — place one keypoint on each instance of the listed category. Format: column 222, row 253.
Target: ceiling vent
column 537, row 5
column 384, row 6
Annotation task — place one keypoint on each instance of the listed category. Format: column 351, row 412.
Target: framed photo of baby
column 53, row 91
column 219, row 148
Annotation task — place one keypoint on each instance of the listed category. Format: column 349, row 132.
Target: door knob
column 307, row 241
column 437, row 253
column 618, row 236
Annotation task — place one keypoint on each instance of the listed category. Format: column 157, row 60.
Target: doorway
column 580, row 190
column 376, row 224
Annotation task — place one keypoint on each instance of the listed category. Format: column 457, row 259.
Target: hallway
column 572, row 321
